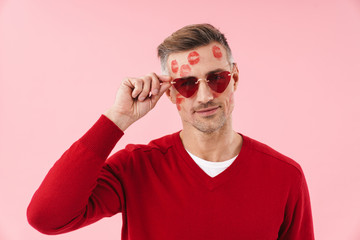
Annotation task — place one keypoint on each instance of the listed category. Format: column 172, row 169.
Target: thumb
column 163, row 87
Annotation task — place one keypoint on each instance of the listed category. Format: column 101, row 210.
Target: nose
column 204, row 93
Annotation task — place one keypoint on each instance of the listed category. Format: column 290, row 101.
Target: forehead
column 197, row 60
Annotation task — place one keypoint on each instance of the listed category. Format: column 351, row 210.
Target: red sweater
column 163, row 194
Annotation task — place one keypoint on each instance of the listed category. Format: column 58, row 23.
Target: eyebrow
column 208, row 73
column 215, row 71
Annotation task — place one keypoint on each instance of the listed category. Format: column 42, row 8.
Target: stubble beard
column 210, row 124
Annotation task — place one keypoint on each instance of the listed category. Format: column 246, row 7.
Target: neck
column 217, row 146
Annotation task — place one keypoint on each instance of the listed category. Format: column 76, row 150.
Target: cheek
column 179, row 100
column 216, row 95
column 229, row 103
column 231, row 99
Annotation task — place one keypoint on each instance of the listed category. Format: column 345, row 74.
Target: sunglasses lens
column 219, row 81
column 186, row 86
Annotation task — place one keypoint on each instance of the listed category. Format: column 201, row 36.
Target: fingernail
column 141, row 98
column 155, row 91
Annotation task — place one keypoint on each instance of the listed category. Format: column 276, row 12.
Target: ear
column 170, row 94
column 235, row 75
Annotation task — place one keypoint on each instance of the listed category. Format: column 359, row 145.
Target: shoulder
column 162, row 144
column 157, row 147
column 143, row 156
column 271, row 157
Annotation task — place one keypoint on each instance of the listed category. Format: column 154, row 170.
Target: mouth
column 207, row 111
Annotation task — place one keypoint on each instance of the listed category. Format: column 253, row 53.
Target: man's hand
column 136, row 97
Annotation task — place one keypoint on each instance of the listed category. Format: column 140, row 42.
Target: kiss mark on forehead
column 193, row 58
column 185, row 70
column 174, row 66
column 217, row 52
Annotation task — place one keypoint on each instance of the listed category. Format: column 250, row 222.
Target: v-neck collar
column 211, row 182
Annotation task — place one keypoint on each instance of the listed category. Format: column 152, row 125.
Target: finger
column 138, row 87
column 163, row 88
column 164, row 78
column 128, row 85
column 145, row 88
column 155, row 84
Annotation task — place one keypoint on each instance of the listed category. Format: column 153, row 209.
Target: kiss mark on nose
column 193, row 58
column 174, row 66
column 217, row 52
column 185, row 70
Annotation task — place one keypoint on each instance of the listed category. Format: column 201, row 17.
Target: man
column 204, row 182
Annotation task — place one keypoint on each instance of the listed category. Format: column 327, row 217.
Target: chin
column 210, row 127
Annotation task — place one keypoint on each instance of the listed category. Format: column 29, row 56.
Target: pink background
column 62, row 61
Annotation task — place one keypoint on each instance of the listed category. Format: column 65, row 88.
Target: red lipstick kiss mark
column 174, row 66
column 179, row 100
column 215, row 94
column 217, row 52
column 193, row 58
column 185, row 70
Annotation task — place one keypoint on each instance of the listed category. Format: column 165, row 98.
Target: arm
column 80, row 189
column 298, row 224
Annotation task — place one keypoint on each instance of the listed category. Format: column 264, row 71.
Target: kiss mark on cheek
column 174, row 66
column 179, row 100
column 217, row 52
column 185, row 70
column 193, row 58
column 216, row 94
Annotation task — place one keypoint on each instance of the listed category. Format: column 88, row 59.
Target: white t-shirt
column 212, row 168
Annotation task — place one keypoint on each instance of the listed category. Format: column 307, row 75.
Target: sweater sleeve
column 298, row 223
column 79, row 189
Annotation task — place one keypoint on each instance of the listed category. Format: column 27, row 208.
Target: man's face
column 206, row 110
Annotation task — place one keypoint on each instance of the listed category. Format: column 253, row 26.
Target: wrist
column 121, row 120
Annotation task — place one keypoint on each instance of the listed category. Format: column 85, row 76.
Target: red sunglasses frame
column 189, row 90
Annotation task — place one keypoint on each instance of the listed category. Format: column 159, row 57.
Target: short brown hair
column 190, row 37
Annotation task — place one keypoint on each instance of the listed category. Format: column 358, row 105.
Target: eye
column 214, row 77
column 185, row 82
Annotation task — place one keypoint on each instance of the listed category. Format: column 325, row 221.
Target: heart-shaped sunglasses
column 217, row 81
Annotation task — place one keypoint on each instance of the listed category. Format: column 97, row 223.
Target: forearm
column 62, row 201
column 79, row 189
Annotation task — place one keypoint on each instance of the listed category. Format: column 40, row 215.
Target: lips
column 207, row 111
